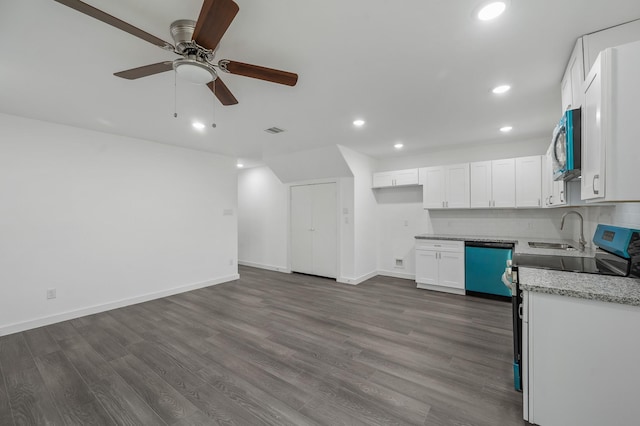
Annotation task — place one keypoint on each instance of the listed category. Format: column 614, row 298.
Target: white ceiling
column 418, row 71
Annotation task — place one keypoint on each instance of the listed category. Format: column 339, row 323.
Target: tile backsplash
column 541, row 223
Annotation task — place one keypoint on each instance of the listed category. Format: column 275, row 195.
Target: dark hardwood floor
column 270, row 348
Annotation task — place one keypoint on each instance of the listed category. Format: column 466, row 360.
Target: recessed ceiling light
column 240, row 165
column 501, row 89
column 398, row 146
column 197, row 125
column 506, row 129
column 491, row 10
column 358, row 123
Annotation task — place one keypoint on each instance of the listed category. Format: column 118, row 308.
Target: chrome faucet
column 581, row 241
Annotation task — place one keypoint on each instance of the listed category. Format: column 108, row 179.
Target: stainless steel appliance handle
column 520, row 307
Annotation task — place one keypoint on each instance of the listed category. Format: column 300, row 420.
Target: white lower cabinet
column 580, row 362
column 440, row 265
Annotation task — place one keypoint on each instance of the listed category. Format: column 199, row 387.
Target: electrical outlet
column 399, row 263
column 51, row 293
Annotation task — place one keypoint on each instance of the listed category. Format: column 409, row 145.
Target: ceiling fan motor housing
column 182, row 33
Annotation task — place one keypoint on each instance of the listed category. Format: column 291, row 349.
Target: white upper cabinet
column 493, row 183
column 553, row 191
column 481, row 195
column 610, row 148
column 529, row 181
column 457, row 186
column 573, row 79
column 596, row 42
column 503, row 182
column 446, row 186
column 396, row 178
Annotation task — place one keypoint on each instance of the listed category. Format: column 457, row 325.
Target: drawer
column 440, row 245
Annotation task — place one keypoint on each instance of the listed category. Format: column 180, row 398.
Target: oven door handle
column 520, row 307
column 507, row 282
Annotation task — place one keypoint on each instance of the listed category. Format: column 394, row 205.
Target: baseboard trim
column 264, row 266
column 394, row 274
column 459, row 291
column 77, row 313
column 358, row 280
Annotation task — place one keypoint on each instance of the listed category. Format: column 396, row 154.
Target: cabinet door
column 433, row 188
column 480, row 184
column 457, row 186
column 592, row 141
column 451, row 270
column 405, row 177
column 427, row 267
column 573, row 79
column 503, row 182
column 529, row 181
column 382, row 180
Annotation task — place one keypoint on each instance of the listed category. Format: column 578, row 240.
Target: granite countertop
column 586, row 286
column 521, row 244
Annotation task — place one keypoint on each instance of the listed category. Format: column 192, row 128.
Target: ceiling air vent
column 274, row 130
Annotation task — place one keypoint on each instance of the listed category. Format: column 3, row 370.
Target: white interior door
column 325, row 230
column 314, row 229
column 301, row 229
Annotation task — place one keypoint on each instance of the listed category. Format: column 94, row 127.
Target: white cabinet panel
column 446, row 187
column 572, row 81
column 529, row 181
column 433, row 196
column 503, row 182
column 582, row 362
column 480, row 186
column 440, row 265
column 451, row 270
column 427, row 267
column 396, row 178
column 553, row 191
column 457, row 186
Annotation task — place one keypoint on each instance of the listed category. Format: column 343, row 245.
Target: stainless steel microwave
column 567, row 146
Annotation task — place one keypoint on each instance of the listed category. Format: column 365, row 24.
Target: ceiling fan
column 195, row 42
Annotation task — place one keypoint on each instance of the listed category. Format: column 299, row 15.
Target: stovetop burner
column 603, row 264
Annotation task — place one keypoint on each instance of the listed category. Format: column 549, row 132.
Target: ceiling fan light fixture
column 194, row 71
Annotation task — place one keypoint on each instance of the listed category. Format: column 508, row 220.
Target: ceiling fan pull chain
column 175, row 94
column 214, row 105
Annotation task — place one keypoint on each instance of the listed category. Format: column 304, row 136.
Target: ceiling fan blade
column 115, row 22
column 222, row 92
column 145, row 71
column 215, row 17
column 262, row 73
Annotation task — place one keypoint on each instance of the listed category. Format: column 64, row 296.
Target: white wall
column 107, row 221
column 262, row 219
column 364, row 214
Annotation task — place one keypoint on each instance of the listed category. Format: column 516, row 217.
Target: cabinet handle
column 593, row 183
column 520, row 310
column 561, row 196
column 447, row 204
column 538, row 201
column 443, row 204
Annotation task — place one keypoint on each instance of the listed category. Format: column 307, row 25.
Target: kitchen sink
column 555, row 246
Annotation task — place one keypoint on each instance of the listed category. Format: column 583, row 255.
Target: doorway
column 314, row 229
